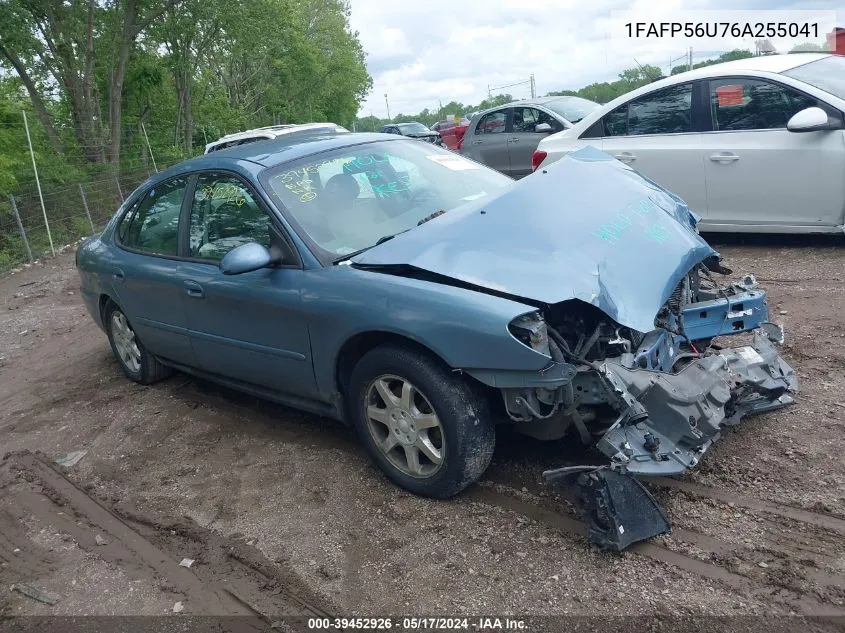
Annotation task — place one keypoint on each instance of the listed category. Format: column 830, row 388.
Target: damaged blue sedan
column 426, row 299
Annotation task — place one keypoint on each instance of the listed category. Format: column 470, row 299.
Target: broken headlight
column 530, row 329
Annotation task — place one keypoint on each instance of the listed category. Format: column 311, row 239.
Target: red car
column 452, row 132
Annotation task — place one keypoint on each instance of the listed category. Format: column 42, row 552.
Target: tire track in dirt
column 825, row 521
column 505, row 497
column 717, row 550
column 248, row 577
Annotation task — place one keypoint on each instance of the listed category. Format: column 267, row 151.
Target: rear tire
column 427, row 428
column 135, row 361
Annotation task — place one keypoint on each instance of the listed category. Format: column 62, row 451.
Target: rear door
column 145, row 276
column 658, row 135
column 758, row 172
column 488, row 141
column 524, row 137
column 249, row 327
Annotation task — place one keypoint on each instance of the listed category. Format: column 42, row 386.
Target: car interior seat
column 340, row 192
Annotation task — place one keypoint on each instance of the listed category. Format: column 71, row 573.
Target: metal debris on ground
column 178, row 607
column 186, row 562
column 70, row 459
column 99, row 540
column 34, row 593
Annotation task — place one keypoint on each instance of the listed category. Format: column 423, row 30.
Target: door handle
column 193, row 289
column 725, row 157
column 625, row 157
column 117, row 275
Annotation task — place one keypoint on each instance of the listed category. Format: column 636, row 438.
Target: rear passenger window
column 667, row 111
column 751, row 104
column 153, row 225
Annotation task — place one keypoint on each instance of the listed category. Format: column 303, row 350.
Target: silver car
column 753, row 145
column 506, row 136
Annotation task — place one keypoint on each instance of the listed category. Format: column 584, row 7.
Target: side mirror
column 811, row 120
column 245, row 258
column 543, row 128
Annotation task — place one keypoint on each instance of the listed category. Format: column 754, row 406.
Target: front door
column 249, row 327
column 655, row 135
column 760, row 173
column 145, row 277
column 524, row 138
column 488, row 143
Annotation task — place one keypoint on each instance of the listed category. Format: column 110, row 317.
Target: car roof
column 527, row 102
column 271, row 131
column 272, row 152
column 760, row 63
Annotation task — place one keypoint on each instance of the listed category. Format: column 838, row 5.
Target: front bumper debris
column 667, row 422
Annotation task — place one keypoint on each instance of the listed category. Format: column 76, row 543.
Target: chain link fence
column 71, row 211
column 40, row 221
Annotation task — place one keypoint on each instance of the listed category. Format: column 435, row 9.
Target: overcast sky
column 423, row 51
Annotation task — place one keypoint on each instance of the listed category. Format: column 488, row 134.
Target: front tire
column 427, row 428
column 135, row 361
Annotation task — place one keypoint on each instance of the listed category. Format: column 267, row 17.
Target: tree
column 189, row 36
column 808, row 47
column 231, row 64
column 603, row 92
column 724, row 57
column 48, row 41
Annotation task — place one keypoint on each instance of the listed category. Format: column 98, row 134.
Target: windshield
column 413, row 128
column 573, row 109
column 826, row 74
column 347, row 199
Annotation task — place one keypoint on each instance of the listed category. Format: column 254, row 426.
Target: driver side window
column 224, row 215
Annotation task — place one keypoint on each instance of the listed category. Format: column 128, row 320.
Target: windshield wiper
column 380, row 240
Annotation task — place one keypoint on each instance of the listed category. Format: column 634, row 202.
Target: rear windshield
column 413, row 128
column 573, row 109
column 826, row 74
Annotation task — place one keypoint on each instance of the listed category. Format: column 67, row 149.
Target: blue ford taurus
column 424, row 299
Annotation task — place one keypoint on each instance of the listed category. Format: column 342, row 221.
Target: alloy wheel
column 404, row 426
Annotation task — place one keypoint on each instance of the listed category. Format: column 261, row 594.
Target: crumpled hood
column 586, row 227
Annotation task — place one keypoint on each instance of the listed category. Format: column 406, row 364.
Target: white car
column 272, row 131
column 754, row 145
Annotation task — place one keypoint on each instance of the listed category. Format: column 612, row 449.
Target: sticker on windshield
column 455, row 163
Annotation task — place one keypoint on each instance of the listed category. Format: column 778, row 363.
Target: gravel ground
column 283, row 512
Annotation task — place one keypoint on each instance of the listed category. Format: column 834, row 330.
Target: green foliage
column 724, row 57
column 809, row 47
column 608, row 90
column 195, row 69
column 105, row 85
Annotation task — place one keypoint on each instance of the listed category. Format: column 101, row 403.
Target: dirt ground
column 283, row 513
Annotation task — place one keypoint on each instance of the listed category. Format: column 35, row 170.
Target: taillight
column 538, row 157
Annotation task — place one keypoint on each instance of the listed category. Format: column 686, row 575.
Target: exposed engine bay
column 651, row 403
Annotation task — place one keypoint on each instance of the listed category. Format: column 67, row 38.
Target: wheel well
column 104, row 301
column 355, row 348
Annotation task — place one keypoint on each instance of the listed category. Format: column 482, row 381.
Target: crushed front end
column 651, row 403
